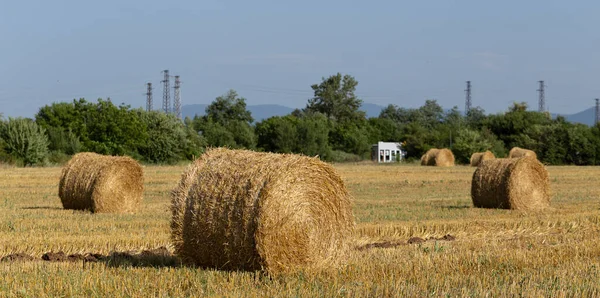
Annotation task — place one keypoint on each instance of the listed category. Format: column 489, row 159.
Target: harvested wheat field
column 416, row 235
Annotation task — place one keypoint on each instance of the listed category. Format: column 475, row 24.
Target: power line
column 177, row 97
column 149, row 103
column 542, row 98
column 166, row 92
column 468, row 98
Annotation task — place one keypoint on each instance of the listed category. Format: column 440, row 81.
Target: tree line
column 331, row 126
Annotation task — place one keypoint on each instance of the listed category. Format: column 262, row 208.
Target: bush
column 166, row 137
column 341, row 156
column 58, row 158
column 25, row 140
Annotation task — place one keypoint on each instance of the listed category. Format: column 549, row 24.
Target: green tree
column 430, row 114
column 114, row 130
column 468, row 142
column 475, row 117
column 384, row 130
column 215, row 134
column 101, row 127
column 510, row 126
column 229, row 107
column 313, row 136
column 194, row 143
column 581, row 145
column 25, row 140
column 334, row 97
column 63, row 141
column 166, row 137
column 399, row 115
column 278, row 134
column 227, row 123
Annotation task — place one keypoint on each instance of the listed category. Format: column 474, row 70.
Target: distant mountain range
column 586, row 116
column 260, row 112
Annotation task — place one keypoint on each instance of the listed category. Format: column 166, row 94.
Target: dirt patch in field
column 412, row 240
column 158, row 257
column 415, row 240
column 385, row 244
column 17, row 257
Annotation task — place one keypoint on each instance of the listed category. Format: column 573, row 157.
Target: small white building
column 387, row 152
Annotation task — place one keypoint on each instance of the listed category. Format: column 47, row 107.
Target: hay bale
column 244, row 210
column 511, row 183
column 428, row 156
column 438, row 157
column 478, row 157
column 101, row 184
column 517, row 152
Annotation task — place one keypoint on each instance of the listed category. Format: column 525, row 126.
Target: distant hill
column 586, row 116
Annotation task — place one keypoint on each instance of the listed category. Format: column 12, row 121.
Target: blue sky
column 401, row 52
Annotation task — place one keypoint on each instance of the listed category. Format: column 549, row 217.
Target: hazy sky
column 401, row 52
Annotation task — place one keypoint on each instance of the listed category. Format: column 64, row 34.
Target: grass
column 496, row 252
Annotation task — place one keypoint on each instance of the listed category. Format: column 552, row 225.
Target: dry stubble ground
column 496, row 252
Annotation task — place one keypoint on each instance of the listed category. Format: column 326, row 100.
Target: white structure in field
column 387, row 152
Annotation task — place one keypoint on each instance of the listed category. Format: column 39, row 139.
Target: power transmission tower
column 597, row 111
column 542, row 100
column 149, row 103
column 468, row 98
column 177, row 98
column 166, row 92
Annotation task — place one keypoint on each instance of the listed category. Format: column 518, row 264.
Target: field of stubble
column 494, row 252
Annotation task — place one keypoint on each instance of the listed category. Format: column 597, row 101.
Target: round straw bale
column 244, row 210
column 438, row 157
column 426, row 159
column 517, row 152
column 511, row 183
column 444, row 158
column 478, row 157
column 101, row 184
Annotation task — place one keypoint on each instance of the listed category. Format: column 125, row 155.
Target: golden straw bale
column 438, row 157
column 101, row 184
column 425, row 159
column 511, row 183
column 244, row 210
column 478, row 157
column 517, row 152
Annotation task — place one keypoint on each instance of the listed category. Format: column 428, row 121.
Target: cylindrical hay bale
column 438, row 157
column 444, row 158
column 427, row 158
column 478, row 157
column 244, row 210
column 517, row 152
column 511, row 183
column 101, row 184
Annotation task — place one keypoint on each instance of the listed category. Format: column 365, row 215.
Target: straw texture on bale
column 428, row 156
column 438, row 157
column 517, row 152
column 244, row 210
column 101, row 184
column 511, row 183
column 478, row 157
